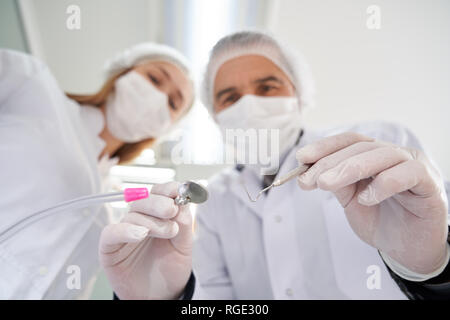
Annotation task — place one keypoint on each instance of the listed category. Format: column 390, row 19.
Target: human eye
column 172, row 105
column 154, row 79
column 266, row 88
column 230, row 99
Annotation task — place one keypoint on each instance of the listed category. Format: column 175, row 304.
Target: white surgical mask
column 137, row 110
column 255, row 112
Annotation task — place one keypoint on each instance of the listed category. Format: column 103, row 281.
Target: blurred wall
column 11, row 31
column 76, row 57
column 399, row 73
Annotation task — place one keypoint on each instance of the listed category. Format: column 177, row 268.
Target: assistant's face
column 172, row 81
column 249, row 75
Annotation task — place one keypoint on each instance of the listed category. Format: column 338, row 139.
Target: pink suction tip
column 134, row 194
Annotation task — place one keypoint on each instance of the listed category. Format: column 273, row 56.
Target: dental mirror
column 191, row 192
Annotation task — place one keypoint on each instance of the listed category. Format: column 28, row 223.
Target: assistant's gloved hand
column 148, row 255
column 394, row 199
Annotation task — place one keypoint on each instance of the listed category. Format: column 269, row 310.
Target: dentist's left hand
column 148, row 255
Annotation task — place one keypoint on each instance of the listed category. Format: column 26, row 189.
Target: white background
column 399, row 73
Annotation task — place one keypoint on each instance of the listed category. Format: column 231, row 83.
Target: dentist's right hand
column 148, row 255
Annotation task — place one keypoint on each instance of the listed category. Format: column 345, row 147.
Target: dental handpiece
column 188, row 192
column 279, row 182
column 127, row 195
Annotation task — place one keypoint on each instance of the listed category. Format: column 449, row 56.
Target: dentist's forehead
column 244, row 70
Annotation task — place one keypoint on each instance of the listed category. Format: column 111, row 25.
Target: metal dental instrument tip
column 259, row 194
column 279, row 182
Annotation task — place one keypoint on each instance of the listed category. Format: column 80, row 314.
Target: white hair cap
column 144, row 52
column 258, row 43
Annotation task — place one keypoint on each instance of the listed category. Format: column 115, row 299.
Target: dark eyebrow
column 166, row 74
column 224, row 91
column 270, row 78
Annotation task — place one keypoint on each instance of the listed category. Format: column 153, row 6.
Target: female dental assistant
column 50, row 149
column 369, row 221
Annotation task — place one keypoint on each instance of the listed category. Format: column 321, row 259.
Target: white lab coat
column 48, row 154
column 292, row 244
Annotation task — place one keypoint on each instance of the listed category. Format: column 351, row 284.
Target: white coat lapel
column 254, row 185
column 355, row 261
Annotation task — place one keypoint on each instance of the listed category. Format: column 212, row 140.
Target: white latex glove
column 394, row 199
column 148, row 255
